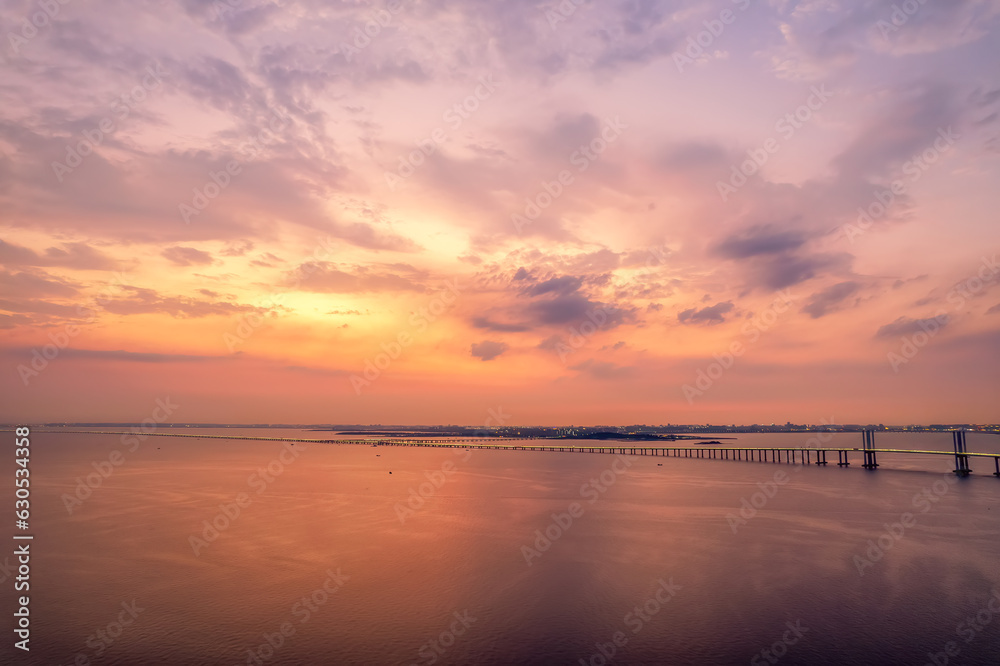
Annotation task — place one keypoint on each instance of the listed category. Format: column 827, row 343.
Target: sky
column 500, row 213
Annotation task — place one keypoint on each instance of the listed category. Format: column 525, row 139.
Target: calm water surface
column 392, row 555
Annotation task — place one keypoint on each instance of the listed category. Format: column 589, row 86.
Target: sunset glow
column 738, row 212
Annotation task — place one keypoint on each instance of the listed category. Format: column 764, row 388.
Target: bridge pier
column 961, row 461
column 842, row 457
column 869, row 444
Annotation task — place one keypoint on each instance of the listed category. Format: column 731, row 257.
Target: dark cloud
column 759, row 241
column 186, row 256
column 714, row 314
column 823, row 302
column 563, row 309
column 488, row 349
column 785, row 271
column 486, row 323
column 564, row 285
column 906, row 326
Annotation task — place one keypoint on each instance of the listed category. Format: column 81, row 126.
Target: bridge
column 775, row 454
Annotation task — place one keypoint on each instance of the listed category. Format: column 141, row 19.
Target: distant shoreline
column 636, row 437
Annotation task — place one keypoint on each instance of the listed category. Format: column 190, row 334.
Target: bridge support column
column 869, row 455
column 961, row 461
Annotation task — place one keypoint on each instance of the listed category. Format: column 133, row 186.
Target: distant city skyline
column 420, row 212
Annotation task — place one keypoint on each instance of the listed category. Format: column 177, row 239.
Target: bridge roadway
column 792, row 455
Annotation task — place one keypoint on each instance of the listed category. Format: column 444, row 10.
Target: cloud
column 133, row 357
column 564, row 285
column 35, row 285
column 905, row 326
column 759, row 240
column 187, row 256
column 908, row 124
column 785, row 271
column 552, row 343
column 237, row 248
column 140, row 300
column 332, row 278
column 80, row 256
column 603, row 369
column 486, row 323
column 693, row 155
column 488, row 350
column 714, row 314
column 823, row 302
